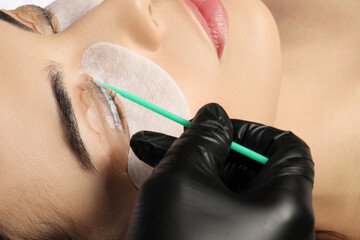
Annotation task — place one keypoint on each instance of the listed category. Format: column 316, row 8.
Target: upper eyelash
column 112, row 95
column 49, row 14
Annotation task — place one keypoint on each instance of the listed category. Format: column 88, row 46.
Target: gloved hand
column 199, row 191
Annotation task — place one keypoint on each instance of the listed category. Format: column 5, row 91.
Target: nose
column 133, row 20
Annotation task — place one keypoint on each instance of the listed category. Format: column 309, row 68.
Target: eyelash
column 49, row 15
column 113, row 95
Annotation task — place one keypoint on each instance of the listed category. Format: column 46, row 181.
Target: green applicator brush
column 234, row 146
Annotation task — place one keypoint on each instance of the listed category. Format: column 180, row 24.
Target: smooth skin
column 319, row 100
column 42, row 177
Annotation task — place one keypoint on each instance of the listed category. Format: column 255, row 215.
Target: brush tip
column 98, row 82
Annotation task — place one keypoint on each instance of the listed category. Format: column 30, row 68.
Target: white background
column 12, row 4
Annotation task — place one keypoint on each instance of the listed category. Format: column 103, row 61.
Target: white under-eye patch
column 68, row 11
column 127, row 70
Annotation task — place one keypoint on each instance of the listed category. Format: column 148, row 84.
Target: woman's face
column 59, row 155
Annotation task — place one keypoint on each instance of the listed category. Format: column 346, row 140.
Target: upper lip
column 213, row 17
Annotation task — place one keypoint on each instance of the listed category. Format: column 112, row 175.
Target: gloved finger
column 204, row 146
column 150, row 147
column 258, row 137
column 269, row 141
column 290, row 164
column 238, row 169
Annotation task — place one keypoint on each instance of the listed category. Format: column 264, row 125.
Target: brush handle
column 234, row 146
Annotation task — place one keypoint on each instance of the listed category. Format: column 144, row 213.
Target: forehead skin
column 30, row 132
column 38, row 169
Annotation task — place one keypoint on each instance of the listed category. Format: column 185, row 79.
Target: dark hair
column 57, row 233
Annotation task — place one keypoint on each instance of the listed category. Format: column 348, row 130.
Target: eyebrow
column 7, row 18
column 3, row 236
column 67, row 116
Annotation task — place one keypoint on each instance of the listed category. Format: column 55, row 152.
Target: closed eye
column 7, row 18
column 49, row 14
column 36, row 18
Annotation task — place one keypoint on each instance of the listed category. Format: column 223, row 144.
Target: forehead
column 28, row 117
column 29, row 122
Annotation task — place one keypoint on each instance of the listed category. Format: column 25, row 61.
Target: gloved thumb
column 204, row 146
column 150, row 147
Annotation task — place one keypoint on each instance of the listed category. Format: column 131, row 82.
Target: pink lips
column 213, row 18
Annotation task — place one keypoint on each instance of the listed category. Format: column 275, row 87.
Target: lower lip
column 212, row 16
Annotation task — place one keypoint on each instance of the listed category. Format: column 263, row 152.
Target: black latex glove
column 199, row 191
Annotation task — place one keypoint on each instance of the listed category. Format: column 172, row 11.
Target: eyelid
column 38, row 19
